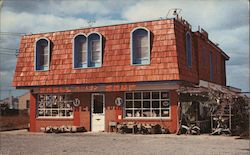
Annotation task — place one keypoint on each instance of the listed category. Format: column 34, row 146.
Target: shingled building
column 118, row 73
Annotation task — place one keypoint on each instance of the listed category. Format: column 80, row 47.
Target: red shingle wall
column 188, row 74
column 116, row 65
column 204, row 64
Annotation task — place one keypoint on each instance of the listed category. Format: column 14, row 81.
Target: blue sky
column 226, row 21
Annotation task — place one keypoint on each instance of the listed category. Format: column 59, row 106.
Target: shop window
column 147, row 104
column 95, row 50
column 140, row 46
column 188, row 50
column 80, row 51
column 54, row 106
column 42, row 54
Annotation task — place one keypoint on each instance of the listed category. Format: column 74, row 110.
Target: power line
column 12, row 33
column 9, row 49
column 7, row 53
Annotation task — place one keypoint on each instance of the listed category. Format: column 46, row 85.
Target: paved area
column 22, row 142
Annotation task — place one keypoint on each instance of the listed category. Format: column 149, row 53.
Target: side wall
column 189, row 74
column 83, row 112
column 203, row 50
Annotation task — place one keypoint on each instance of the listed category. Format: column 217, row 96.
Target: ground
column 22, row 142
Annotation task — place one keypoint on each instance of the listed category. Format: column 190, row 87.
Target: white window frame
column 90, row 51
column 35, row 58
column 150, row 108
column 74, row 52
column 52, row 117
column 132, row 52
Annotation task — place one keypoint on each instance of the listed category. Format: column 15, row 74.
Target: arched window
column 80, row 51
column 140, row 46
column 42, row 54
column 188, row 49
column 95, row 49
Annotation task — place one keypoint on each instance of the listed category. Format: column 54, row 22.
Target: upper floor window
column 140, row 46
column 42, row 54
column 95, row 49
column 87, row 50
column 188, row 49
column 211, row 66
column 80, row 51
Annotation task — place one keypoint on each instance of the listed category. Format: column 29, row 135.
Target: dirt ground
column 22, row 142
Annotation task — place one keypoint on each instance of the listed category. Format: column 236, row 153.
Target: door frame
column 92, row 109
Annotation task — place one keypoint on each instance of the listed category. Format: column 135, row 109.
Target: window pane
column 47, row 112
column 129, row 95
column 155, row 95
column 164, row 95
column 140, row 45
column 155, row 104
column 129, row 113
column 62, row 113
column 129, row 104
column 82, row 54
column 137, row 104
column 146, row 104
column 98, row 104
column 41, row 112
column 155, row 113
column 96, row 57
column 146, row 95
column 165, row 113
column 137, row 113
column 165, row 104
column 146, row 113
column 137, row 95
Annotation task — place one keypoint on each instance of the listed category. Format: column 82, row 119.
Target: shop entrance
column 97, row 112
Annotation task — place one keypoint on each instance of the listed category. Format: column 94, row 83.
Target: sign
column 118, row 101
column 76, row 102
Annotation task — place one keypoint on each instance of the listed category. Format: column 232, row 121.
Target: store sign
column 76, row 102
column 118, row 101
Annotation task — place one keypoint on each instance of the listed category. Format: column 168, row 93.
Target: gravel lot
column 22, row 142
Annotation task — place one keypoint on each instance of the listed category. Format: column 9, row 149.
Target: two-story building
column 126, row 72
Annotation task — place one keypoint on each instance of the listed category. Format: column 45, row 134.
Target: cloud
column 226, row 21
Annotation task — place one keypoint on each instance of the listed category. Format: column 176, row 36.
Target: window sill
column 146, row 64
column 86, row 67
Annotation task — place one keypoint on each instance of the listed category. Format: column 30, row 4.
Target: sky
column 226, row 21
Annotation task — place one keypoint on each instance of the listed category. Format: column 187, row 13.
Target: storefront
column 94, row 107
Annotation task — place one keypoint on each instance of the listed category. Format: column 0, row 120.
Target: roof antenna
column 91, row 22
column 174, row 12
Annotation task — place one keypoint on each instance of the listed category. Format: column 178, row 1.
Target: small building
column 24, row 101
column 117, row 73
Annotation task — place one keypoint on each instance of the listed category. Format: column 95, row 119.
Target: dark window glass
column 188, row 50
column 155, row 95
column 164, row 95
column 146, row 95
column 129, row 95
column 137, row 95
column 98, row 104
column 137, row 104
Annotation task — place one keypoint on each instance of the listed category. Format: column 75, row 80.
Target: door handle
column 98, row 119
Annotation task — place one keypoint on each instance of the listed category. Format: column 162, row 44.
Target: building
column 24, row 101
column 128, row 72
column 10, row 102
